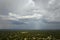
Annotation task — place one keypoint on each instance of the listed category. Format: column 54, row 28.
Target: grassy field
column 29, row 34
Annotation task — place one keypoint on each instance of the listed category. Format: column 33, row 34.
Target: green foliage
column 28, row 35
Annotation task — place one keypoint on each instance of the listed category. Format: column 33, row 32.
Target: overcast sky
column 50, row 9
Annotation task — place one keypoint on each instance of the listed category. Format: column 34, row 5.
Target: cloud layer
column 53, row 14
column 11, row 11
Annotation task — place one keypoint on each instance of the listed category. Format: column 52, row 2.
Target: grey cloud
column 53, row 14
column 16, row 6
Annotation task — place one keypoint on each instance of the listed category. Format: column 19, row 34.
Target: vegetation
column 29, row 35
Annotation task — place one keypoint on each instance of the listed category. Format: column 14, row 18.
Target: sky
column 30, row 14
